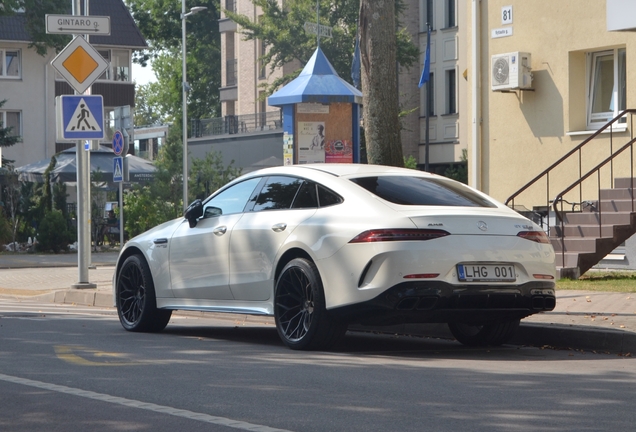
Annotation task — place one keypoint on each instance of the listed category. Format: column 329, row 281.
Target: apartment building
column 29, row 83
column 576, row 63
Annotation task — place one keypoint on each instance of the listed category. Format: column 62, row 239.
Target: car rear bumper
column 441, row 302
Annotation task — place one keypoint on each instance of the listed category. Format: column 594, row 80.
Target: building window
column 10, row 63
column 430, row 13
column 430, row 98
column 13, row 120
column 607, row 86
column 120, row 64
column 262, row 50
column 262, row 109
column 450, row 13
column 451, row 91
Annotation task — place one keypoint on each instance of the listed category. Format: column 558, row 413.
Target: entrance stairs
column 587, row 212
column 585, row 237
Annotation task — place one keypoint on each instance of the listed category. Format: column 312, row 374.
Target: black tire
column 302, row 321
column 493, row 334
column 136, row 300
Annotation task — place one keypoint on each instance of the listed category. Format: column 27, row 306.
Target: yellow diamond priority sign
column 80, row 64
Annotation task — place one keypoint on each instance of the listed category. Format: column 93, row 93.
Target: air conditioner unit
column 511, row 71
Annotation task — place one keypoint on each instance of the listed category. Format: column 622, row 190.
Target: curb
column 548, row 335
column 556, row 336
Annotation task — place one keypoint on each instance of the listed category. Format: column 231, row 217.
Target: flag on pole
column 426, row 73
column 355, row 65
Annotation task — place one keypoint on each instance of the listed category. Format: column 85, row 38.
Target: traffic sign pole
column 83, row 200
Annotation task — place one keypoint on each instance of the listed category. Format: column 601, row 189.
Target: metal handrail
column 546, row 173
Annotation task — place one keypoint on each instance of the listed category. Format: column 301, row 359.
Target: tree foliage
column 209, row 174
column 160, row 23
column 282, row 29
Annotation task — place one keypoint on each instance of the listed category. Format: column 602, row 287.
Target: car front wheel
column 135, row 298
column 482, row 335
column 302, row 321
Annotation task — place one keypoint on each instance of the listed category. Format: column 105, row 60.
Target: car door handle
column 279, row 227
column 219, row 231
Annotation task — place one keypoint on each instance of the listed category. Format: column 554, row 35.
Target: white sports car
column 323, row 246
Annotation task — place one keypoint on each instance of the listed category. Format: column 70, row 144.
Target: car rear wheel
column 481, row 335
column 136, row 300
column 302, row 321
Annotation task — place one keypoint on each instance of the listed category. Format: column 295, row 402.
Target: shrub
column 53, row 233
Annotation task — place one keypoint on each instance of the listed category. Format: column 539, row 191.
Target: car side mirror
column 194, row 212
column 212, row 211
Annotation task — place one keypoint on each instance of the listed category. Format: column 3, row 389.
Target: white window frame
column 4, row 124
column 3, row 63
column 617, row 93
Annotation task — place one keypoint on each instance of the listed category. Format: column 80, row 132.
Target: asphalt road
column 68, row 368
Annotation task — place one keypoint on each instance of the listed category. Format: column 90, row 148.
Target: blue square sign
column 118, row 169
column 82, row 117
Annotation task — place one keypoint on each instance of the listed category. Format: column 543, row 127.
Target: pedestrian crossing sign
column 80, row 117
column 118, row 169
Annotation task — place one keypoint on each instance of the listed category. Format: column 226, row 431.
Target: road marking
column 131, row 403
column 67, row 354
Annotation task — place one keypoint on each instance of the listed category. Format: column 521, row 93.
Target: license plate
column 486, row 272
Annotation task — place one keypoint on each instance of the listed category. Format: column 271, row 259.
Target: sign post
column 80, row 65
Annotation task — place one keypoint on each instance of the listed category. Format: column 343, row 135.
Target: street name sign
column 77, row 24
column 80, row 117
column 318, row 29
column 80, row 64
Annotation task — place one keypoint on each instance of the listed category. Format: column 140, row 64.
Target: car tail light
column 542, row 276
column 381, row 235
column 535, row 236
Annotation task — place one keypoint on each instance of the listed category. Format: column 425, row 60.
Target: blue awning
column 318, row 83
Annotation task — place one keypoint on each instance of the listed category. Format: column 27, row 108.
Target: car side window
column 327, row 197
column 306, row 196
column 231, row 200
column 277, row 193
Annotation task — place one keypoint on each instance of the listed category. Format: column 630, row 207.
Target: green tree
column 160, row 23
column 53, row 233
column 209, row 174
column 282, row 29
column 10, row 188
column 147, row 110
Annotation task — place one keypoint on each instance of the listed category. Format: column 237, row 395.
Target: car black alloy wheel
column 299, row 308
column 493, row 334
column 135, row 299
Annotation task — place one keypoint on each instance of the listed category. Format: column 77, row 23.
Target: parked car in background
column 322, row 246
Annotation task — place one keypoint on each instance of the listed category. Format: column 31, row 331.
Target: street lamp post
column 185, row 89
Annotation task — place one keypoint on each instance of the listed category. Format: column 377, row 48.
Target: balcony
column 237, row 124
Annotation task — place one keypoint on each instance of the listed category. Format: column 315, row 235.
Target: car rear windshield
column 416, row 191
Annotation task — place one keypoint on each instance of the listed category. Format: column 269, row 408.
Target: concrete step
column 577, row 245
column 578, row 231
column 625, row 183
column 616, row 193
column 610, row 218
column 567, row 259
column 615, row 205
